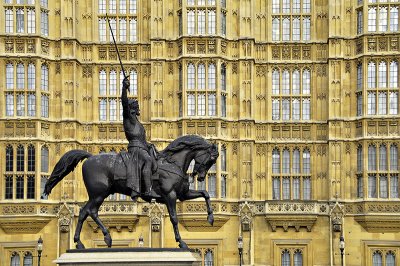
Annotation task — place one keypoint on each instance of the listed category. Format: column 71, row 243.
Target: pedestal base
column 129, row 256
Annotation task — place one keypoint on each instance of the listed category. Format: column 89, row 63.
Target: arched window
column 285, row 82
column 31, row 77
column 382, row 82
column 15, row 260
column 10, row 76
column 275, row 29
column 306, row 28
column 285, row 109
column 223, row 158
column 393, row 158
column 9, row 158
column 306, row 82
column 44, row 82
column 28, row 259
column 20, row 76
column 223, row 77
column 296, row 29
column 276, row 161
column 211, row 77
column 371, row 75
column 372, row 19
column 285, row 258
column 286, row 29
column 296, row 161
column 44, row 159
column 191, row 82
column 133, row 82
column 31, row 158
column 390, row 259
column 298, row 258
column 20, row 158
column 359, row 159
column 208, row 258
column 394, row 18
column 286, row 161
column 376, row 259
column 30, row 189
column 275, row 81
column 201, row 77
column 306, row 109
column 295, row 109
column 393, row 77
column 19, row 187
column 102, row 83
column 383, row 19
column 372, row 158
column 306, row 161
column 191, row 104
column 382, row 158
column 113, row 82
column 191, row 22
column 359, row 76
column 296, row 82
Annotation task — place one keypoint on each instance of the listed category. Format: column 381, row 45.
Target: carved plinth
column 130, row 256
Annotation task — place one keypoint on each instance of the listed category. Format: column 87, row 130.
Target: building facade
column 301, row 97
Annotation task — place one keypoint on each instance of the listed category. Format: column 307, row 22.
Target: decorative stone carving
column 65, row 216
column 291, row 221
column 246, row 213
column 156, row 213
column 337, row 213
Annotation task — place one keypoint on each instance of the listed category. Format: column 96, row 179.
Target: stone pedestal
column 129, row 256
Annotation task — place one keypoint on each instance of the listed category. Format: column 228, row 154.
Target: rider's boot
column 149, row 192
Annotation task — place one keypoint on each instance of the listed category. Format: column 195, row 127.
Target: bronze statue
column 140, row 152
column 103, row 175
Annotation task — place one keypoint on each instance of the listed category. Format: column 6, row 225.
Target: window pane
column 20, row 20
column 201, row 104
column 10, row 76
column 44, row 78
column 9, row 187
column 371, row 103
column 393, row 158
column 31, row 158
column 276, row 188
column 307, row 188
column 306, row 162
column 132, row 30
column 296, row 188
column 372, row 186
column 30, row 187
column 372, row 19
column 275, row 161
column 298, row 258
column 212, row 185
column 9, row 158
column 191, row 105
column 286, row 161
column 372, row 158
column 19, row 188
column 285, row 258
column 382, row 158
column 201, row 77
column 296, row 162
column 212, row 104
column 383, row 186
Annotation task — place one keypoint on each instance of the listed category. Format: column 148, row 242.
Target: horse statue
column 173, row 182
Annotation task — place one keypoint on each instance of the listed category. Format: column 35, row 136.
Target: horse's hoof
column 108, row 240
column 79, row 245
column 182, row 244
column 210, row 219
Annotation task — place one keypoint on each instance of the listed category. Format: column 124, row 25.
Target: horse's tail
column 64, row 166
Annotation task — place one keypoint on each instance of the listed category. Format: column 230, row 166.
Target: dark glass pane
column 31, row 187
column 20, row 187
column 31, row 158
column 20, row 158
column 9, row 158
column 9, row 187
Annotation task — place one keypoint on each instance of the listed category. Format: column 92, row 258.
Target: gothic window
column 28, row 259
column 393, row 75
column 298, row 258
column 285, row 258
column 31, row 21
column 133, row 82
column 30, row 190
column 390, row 259
column 377, row 259
column 15, row 260
column 9, row 158
column 291, row 176
column 113, row 83
column 20, row 18
column 103, row 82
column 211, row 22
column 9, row 76
column 45, row 106
column 372, row 158
column 20, row 76
column 372, row 19
column 20, row 104
column 371, row 103
column 383, row 16
column 359, row 77
column 122, row 20
column 212, row 185
column 359, row 22
column 359, row 159
column 31, row 158
column 9, row 104
column 20, row 158
column 103, row 110
column 394, row 19
column 31, row 77
column 44, row 159
column 223, row 23
column 359, row 105
column 203, row 101
column 382, row 75
column 291, row 90
column 9, row 17
column 393, row 157
column 44, row 23
column 289, row 22
column 223, row 77
column 45, row 78
column 19, row 187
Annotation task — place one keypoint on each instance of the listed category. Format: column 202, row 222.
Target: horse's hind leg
column 94, row 213
column 83, row 214
column 171, row 205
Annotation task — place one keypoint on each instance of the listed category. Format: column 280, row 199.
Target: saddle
column 123, row 160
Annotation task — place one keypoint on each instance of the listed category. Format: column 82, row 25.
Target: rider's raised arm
column 124, row 98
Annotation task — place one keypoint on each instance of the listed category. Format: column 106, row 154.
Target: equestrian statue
column 142, row 171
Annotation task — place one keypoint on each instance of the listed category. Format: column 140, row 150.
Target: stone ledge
column 287, row 221
column 115, row 221
column 23, row 225
column 129, row 256
column 199, row 223
column 379, row 223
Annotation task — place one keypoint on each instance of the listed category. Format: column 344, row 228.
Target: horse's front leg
column 171, row 205
column 194, row 194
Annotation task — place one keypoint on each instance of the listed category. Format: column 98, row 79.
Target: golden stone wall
column 270, row 227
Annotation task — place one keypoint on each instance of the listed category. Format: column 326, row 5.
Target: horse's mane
column 189, row 141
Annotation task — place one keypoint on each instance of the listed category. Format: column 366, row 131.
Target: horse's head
column 204, row 159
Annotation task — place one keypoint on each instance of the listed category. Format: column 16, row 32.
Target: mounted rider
column 142, row 154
